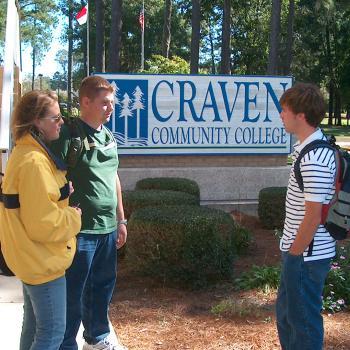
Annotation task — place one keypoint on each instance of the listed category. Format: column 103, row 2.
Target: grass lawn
column 340, row 131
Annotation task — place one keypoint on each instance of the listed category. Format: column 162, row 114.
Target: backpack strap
column 311, row 146
column 78, row 141
column 297, row 172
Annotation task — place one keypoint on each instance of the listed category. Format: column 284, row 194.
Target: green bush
column 158, row 64
column 169, row 183
column 133, row 200
column 190, row 245
column 271, row 207
column 265, row 278
column 243, row 239
column 336, row 293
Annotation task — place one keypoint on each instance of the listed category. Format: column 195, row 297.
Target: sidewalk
column 11, row 314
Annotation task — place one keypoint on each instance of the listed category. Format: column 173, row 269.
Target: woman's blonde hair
column 34, row 104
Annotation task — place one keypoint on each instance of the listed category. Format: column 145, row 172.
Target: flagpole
column 143, row 37
column 87, row 43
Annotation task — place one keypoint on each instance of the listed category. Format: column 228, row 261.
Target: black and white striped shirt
column 318, row 170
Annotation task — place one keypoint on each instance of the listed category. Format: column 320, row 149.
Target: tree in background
column 226, row 34
column 312, row 39
column 158, row 64
column 166, row 28
column 115, row 39
column 37, row 20
column 322, row 49
column 290, row 38
column 272, row 65
column 62, row 59
column 58, row 83
column 195, row 37
column 250, row 37
column 100, row 37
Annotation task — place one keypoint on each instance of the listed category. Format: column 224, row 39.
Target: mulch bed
column 148, row 315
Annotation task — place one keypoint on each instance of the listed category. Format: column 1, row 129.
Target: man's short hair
column 91, row 86
column 307, row 99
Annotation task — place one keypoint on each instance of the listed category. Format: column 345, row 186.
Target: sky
column 48, row 65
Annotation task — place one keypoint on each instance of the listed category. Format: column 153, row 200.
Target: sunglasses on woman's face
column 55, row 118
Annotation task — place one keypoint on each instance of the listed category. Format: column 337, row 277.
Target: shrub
column 336, row 293
column 271, row 208
column 133, row 200
column 190, row 245
column 243, row 239
column 265, row 278
column 158, row 64
column 169, row 183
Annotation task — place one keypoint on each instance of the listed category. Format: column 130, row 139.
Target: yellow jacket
column 37, row 227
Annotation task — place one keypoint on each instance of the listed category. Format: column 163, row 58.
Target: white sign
column 202, row 114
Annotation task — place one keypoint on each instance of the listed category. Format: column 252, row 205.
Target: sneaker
column 105, row 344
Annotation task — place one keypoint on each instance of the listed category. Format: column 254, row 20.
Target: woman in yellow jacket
column 37, row 227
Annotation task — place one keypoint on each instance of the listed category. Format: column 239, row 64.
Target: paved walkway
column 11, row 314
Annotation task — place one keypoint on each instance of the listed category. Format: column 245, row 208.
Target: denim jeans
column 299, row 302
column 44, row 317
column 90, row 284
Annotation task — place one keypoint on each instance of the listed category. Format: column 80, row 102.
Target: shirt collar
column 316, row 135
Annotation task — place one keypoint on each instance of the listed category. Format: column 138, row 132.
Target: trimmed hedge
column 271, row 208
column 169, row 183
column 133, row 200
column 189, row 245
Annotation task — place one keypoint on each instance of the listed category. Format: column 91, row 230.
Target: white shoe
column 105, row 344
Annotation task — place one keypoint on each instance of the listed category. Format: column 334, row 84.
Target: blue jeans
column 90, row 284
column 299, row 302
column 44, row 317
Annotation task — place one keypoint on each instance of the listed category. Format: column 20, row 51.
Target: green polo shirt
column 93, row 178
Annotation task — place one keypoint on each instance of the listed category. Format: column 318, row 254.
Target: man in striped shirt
column 307, row 248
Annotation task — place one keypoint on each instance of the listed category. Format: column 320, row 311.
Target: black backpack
column 78, row 141
column 336, row 214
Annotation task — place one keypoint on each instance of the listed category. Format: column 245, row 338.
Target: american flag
column 142, row 20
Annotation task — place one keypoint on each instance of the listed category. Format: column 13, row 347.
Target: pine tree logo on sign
column 129, row 122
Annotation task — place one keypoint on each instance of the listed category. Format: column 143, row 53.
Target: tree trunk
column 331, row 75
column 84, row 43
column 290, row 38
column 195, row 37
column 330, row 103
column 337, row 106
column 70, row 56
column 212, row 53
column 225, row 48
column 33, row 67
column 100, row 37
column 166, row 28
column 272, row 66
column 115, row 39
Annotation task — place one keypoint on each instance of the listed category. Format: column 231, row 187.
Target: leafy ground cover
column 150, row 316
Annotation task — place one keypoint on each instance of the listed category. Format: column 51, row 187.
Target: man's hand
column 71, row 188
column 122, row 234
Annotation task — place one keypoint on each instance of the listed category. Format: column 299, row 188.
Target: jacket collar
column 33, row 139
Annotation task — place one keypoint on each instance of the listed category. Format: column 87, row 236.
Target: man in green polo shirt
column 91, row 278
